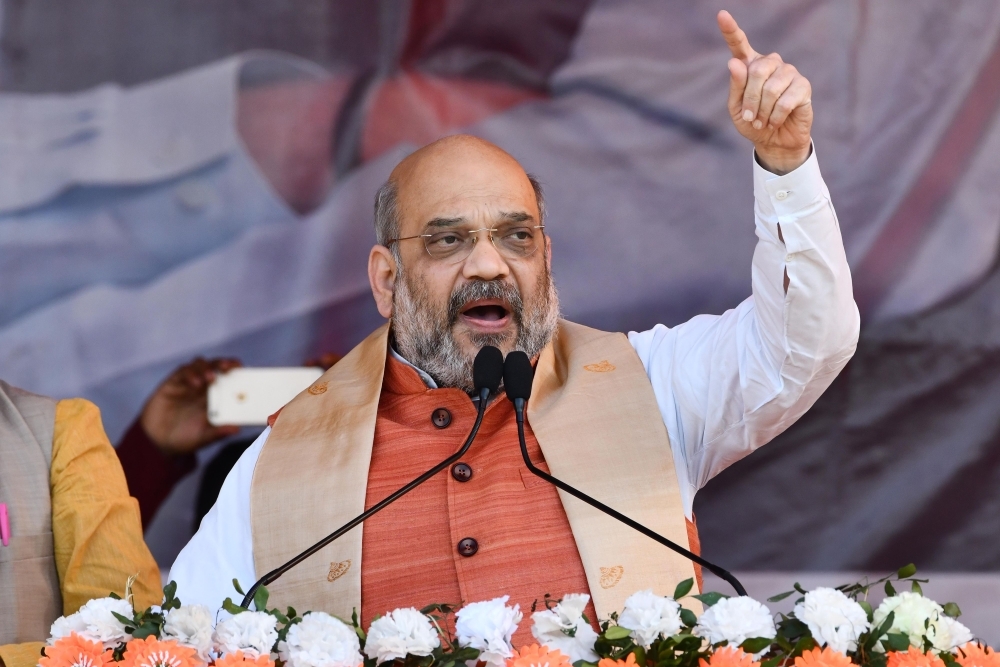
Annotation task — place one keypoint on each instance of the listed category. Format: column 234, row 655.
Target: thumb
column 737, row 85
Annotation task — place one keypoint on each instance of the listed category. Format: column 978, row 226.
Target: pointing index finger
column 735, row 37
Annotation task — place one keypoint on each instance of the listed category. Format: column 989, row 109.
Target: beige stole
column 596, row 420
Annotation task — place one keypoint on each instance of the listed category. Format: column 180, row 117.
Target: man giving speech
column 639, row 422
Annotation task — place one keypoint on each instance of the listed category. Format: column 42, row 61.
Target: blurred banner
column 181, row 178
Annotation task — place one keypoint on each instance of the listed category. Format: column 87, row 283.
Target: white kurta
column 725, row 384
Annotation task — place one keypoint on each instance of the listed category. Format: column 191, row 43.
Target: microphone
column 487, row 371
column 517, row 378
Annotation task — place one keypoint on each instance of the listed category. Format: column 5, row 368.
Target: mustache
column 485, row 289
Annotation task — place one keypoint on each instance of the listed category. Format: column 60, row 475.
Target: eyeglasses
column 454, row 245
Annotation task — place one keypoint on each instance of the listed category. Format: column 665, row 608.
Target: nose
column 484, row 262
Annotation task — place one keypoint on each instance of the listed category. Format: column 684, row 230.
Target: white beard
column 424, row 333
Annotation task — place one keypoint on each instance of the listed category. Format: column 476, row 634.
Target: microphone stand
column 484, row 394
column 519, row 404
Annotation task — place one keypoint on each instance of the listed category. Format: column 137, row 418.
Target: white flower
column 320, row 640
column 917, row 616
column 190, row 625
column 488, row 626
column 649, row 615
column 950, row 634
column 95, row 622
column 736, row 620
column 563, row 628
column 401, row 632
column 833, row 618
column 252, row 632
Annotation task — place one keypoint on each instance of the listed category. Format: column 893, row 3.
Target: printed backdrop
column 181, row 178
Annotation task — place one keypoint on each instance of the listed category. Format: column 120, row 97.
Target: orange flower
column 238, row 659
column 152, row 652
column 977, row 655
column 75, row 651
column 913, row 658
column 629, row 661
column 538, row 656
column 729, row 656
column 826, row 657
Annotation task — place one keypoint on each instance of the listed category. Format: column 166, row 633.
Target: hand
column 175, row 417
column 769, row 102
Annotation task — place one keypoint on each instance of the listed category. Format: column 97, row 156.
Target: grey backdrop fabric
column 649, row 193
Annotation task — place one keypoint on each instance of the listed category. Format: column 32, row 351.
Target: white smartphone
column 248, row 396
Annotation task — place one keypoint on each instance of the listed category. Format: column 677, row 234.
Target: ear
column 548, row 252
column 382, row 276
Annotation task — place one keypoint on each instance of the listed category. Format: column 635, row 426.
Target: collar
column 428, row 380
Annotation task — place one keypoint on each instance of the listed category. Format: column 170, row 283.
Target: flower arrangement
column 828, row 627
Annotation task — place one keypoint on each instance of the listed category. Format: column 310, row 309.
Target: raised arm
column 728, row 384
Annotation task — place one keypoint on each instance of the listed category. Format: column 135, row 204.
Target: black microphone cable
column 487, row 371
column 517, row 378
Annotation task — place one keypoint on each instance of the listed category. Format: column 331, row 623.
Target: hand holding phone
column 248, row 396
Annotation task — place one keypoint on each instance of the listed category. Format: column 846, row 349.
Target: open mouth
column 486, row 314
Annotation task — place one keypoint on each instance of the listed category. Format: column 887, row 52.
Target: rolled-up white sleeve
column 727, row 384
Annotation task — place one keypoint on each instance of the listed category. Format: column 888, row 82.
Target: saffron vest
column 30, row 597
column 597, row 423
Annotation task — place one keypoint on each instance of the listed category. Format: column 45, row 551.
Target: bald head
column 448, row 287
column 448, row 175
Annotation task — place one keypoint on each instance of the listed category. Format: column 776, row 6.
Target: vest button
column 462, row 472
column 441, row 418
column 468, row 547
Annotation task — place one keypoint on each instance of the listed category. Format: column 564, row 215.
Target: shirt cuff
column 787, row 195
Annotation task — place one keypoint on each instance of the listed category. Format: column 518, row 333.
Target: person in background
column 71, row 532
column 158, row 449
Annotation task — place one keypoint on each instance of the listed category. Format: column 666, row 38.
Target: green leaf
column 236, row 585
column 915, row 587
column 755, row 644
column 466, row 653
column 232, row 607
column 114, row 596
column 864, row 604
column 906, row 571
column 617, row 632
column 951, row 609
column 897, row 641
column 584, row 663
column 260, row 598
column 804, row 644
column 779, row 597
column 792, row 628
column 123, row 619
column 709, row 599
column 683, row 588
column 170, row 590
column 688, row 618
column 771, row 662
column 886, row 624
column 889, row 590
